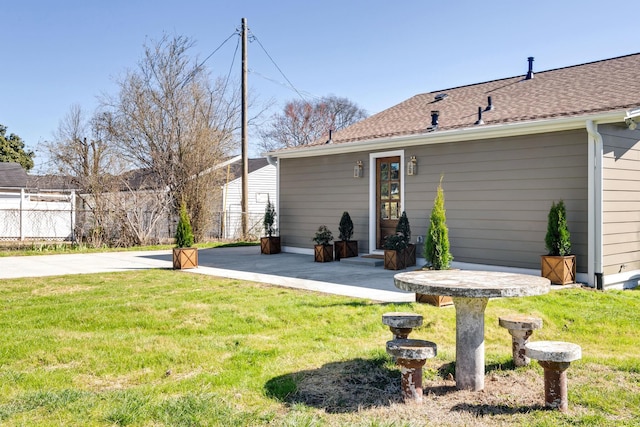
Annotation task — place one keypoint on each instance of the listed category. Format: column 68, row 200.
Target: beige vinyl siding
column 621, row 199
column 497, row 192
column 315, row 191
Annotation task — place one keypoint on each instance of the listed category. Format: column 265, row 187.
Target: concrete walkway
column 354, row 278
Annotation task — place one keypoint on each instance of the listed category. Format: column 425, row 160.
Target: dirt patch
column 370, row 388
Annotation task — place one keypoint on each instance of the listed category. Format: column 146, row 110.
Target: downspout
column 595, row 273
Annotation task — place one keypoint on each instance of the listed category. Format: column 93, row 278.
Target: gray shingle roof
column 596, row 87
column 12, row 175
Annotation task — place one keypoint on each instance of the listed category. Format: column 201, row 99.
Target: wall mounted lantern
column 412, row 166
column 357, row 169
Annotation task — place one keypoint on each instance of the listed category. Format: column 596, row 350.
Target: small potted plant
column 345, row 247
column 436, row 247
column 269, row 244
column 184, row 254
column 394, row 247
column 559, row 266
column 323, row 250
column 404, row 229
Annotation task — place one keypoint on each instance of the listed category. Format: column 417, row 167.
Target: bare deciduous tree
column 119, row 207
column 303, row 122
column 169, row 119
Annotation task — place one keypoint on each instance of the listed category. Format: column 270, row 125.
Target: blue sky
column 376, row 53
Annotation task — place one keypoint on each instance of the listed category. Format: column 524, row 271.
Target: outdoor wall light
column 412, row 166
column 357, row 169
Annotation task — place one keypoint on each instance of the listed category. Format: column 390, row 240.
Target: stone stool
column 520, row 327
column 555, row 357
column 411, row 355
column 401, row 324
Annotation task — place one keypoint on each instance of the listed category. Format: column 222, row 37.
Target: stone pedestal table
column 470, row 291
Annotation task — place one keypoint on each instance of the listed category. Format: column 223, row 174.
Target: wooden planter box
column 323, row 253
column 184, row 258
column 394, row 260
column 560, row 270
column 437, row 300
column 270, row 245
column 410, row 255
column 346, row 249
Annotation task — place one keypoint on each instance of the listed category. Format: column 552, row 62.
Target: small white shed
column 262, row 187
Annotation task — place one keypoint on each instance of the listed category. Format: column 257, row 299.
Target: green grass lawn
column 161, row 347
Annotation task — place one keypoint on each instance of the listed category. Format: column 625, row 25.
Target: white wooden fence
column 37, row 216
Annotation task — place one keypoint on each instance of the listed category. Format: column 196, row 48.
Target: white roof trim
column 455, row 135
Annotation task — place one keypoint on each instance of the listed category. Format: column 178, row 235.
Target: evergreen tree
column 184, row 233
column 558, row 238
column 346, row 226
column 436, row 246
column 269, row 219
column 404, row 228
column 12, row 149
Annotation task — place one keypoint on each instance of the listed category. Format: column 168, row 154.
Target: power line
column 286, row 85
column 253, row 37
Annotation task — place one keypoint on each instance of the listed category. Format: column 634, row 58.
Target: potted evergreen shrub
column 559, row 266
column 394, row 248
column 269, row 244
column 184, row 254
column 345, row 247
column 436, row 247
column 323, row 250
column 404, row 229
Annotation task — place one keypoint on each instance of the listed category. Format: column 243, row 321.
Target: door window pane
column 384, row 171
column 394, row 210
column 395, row 170
column 384, row 190
column 384, row 211
column 395, row 190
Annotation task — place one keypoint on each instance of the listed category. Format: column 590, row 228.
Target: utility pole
column 245, row 150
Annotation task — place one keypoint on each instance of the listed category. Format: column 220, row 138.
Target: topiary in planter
column 558, row 238
column 403, row 228
column 323, row 251
column 436, row 246
column 270, row 244
column 558, row 266
column 345, row 247
column 394, row 247
column 184, row 255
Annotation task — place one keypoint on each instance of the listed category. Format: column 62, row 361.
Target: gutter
column 271, row 160
column 595, row 157
column 475, row 133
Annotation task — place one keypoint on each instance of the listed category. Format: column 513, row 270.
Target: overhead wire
column 253, row 37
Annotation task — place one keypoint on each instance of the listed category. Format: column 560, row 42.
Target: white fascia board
column 456, row 135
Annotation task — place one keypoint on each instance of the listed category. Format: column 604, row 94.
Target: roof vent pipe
column 434, row 119
column 479, row 121
column 489, row 104
column 530, row 72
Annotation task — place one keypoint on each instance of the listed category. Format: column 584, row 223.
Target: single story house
column 506, row 149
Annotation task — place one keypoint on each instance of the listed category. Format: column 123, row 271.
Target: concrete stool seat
column 521, row 328
column 555, row 357
column 401, row 324
column 411, row 355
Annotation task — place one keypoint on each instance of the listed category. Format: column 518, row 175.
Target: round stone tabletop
column 471, row 284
